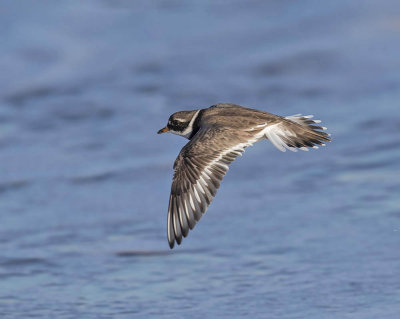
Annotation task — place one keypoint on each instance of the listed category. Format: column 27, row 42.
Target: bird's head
column 180, row 123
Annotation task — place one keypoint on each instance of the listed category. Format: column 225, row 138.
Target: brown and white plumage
column 217, row 136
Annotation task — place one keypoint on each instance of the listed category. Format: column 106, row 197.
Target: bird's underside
column 223, row 133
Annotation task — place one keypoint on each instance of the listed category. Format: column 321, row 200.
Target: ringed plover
column 217, row 135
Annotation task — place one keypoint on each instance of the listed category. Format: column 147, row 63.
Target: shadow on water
column 153, row 253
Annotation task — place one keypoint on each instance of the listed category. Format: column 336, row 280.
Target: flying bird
column 217, row 135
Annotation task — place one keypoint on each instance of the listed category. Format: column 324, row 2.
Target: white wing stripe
column 196, row 194
column 203, row 181
column 205, row 175
column 237, row 148
column 198, row 185
column 191, row 202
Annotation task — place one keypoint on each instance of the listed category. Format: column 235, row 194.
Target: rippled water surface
column 85, row 179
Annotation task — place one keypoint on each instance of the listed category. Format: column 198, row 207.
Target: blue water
column 85, row 179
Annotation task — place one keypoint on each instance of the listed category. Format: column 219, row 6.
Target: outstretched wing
column 199, row 169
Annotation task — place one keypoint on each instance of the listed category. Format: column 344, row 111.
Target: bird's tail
column 297, row 132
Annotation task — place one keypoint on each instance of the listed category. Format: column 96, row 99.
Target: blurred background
column 85, row 179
